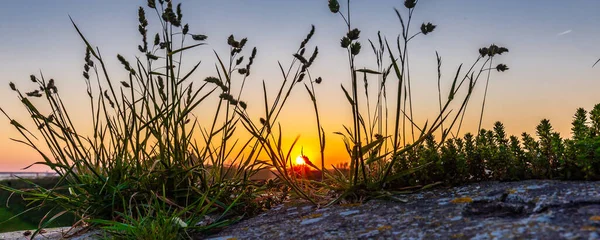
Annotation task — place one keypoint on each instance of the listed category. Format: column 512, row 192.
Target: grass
column 151, row 169
column 15, row 224
column 14, row 205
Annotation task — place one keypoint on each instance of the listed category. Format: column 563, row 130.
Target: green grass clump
column 13, row 205
column 388, row 147
column 15, row 224
column 142, row 163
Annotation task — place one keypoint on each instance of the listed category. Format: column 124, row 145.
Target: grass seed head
column 308, row 37
column 493, row 50
column 345, row 42
column 355, row 48
column 179, row 13
column 501, row 67
column 239, row 60
column 427, row 28
column 186, row 29
column 152, row 4
column 12, row 86
column 410, row 3
column 243, row 42
column 151, row 56
column 301, row 77
column 334, row 6
column 313, row 56
column 51, row 86
column 232, row 42
column 300, row 58
column 199, row 37
column 157, row 39
column 354, row 34
column 35, row 93
column 483, row 51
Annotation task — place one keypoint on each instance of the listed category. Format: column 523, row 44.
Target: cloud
column 565, row 32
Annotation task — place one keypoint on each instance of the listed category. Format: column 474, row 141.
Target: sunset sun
column 300, row 160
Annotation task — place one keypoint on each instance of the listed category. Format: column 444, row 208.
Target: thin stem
column 485, row 95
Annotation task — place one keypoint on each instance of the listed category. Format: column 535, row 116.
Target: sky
column 552, row 44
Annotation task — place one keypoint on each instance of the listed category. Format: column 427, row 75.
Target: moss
column 462, row 200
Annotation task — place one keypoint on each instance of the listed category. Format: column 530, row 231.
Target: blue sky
column 550, row 73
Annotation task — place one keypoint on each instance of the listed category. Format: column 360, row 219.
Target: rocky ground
column 536, row 209
column 490, row 210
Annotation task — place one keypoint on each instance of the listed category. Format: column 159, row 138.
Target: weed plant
column 142, row 168
column 495, row 156
column 381, row 159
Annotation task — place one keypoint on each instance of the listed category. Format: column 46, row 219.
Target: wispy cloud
column 565, row 32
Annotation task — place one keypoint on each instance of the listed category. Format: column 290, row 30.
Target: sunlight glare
column 300, row 160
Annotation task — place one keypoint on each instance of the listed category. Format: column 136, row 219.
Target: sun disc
column 300, row 160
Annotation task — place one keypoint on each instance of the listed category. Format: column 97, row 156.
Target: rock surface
column 535, row 209
column 54, row 233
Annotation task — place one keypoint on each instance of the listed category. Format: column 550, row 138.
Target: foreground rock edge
column 542, row 209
